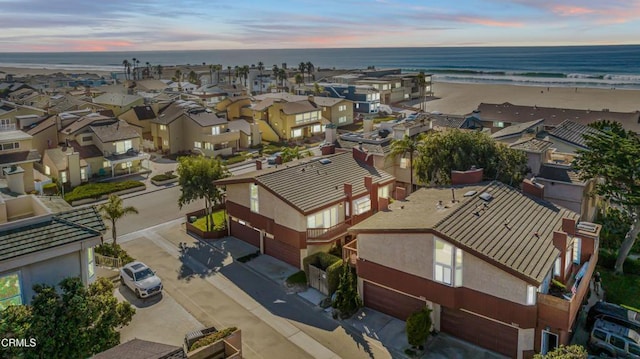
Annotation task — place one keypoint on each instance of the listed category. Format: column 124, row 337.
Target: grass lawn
column 624, row 289
column 218, row 220
column 383, row 119
column 297, row 278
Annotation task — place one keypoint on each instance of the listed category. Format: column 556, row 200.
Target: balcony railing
column 350, row 252
column 327, row 234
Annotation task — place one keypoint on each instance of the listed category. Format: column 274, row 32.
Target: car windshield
column 144, row 274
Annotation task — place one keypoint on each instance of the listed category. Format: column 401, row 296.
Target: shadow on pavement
column 138, row 302
column 210, row 260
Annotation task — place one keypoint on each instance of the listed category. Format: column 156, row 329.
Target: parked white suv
column 613, row 340
column 140, row 279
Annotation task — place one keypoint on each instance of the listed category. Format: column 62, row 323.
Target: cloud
column 601, row 12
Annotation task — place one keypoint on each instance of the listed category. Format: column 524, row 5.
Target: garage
column 486, row 333
column 282, row 251
column 245, row 233
column 390, row 302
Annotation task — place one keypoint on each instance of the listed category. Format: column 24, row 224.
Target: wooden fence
column 107, row 261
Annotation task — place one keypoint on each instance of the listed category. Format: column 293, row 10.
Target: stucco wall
column 526, row 339
column 49, row 272
column 413, row 254
column 566, row 195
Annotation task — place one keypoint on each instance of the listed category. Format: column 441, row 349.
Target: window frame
column 531, row 295
column 576, row 250
column 91, row 270
column 254, row 200
column 451, row 273
column 18, row 295
column 362, row 205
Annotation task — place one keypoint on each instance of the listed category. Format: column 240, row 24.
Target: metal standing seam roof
column 60, row 229
column 573, row 133
column 512, row 229
column 531, row 145
column 310, row 185
column 559, row 173
column 516, row 129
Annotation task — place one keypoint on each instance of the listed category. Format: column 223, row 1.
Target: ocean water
column 572, row 66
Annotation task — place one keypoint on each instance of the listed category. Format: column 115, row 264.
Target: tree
column 317, row 89
column 347, row 300
column 148, row 74
column 310, row 69
column 244, row 73
column 282, row 75
column 177, row 77
column 113, row 210
column 422, row 83
column 613, row 158
column 302, row 67
column 565, row 352
column 159, row 71
column 441, row 152
column 294, row 153
column 193, row 78
column 418, row 327
column 127, row 68
column 75, row 322
column 299, row 80
column 407, row 145
column 197, row 175
column 261, row 69
column 211, row 69
column 229, row 74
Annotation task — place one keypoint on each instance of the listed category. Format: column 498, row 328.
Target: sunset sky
column 114, row 25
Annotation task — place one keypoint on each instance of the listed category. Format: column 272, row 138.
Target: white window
column 347, row 209
column 404, row 162
column 90, row 264
column 197, row 144
column 316, row 128
column 323, row 219
column 105, row 164
column 362, row 205
column 253, row 191
column 83, row 173
column 383, row 192
column 47, row 170
column 531, row 295
column 557, row 266
column 215, row 130
column 357, row 105
column 342, row 108
column 163, row 127
column 63, row 176
column 499, row 124
column 165, row 142
column 123, row 166
column 11, row 293
column 443, row 262
column 458, row 278
column 296, row 133
column 10, row 146
column 208, row 146
column 123, row 146
column 576, row 250
column 342, row 119
column 398, row 84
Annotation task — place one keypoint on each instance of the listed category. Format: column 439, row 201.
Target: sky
column 140, row 25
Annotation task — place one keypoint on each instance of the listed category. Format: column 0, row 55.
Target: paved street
column 221, row 292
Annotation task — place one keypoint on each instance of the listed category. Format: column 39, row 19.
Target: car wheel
column 604, row 354
column 121, row 280
column 138, row 294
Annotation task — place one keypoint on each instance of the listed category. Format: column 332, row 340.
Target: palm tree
column 229, row 74
column 260, row 68
column 245, row 73
column 310, row 69
column 137, row 69
column 159, row 71
column 133, row 62
column 422, row 83
column 217, row 68
column 299, row 80
column 282, row 75
column 127, row 66
column 317, row 89
column 302, row 67
column 148, row 69
column 113, row 210
column 193, row 78
column 211, row 68
column 401, row 148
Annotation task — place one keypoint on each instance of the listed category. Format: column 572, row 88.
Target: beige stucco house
column 16, row 160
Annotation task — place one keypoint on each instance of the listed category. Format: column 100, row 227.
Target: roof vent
column 470, row 193
column 485, row 196
column 587, row 227
column 324, row 161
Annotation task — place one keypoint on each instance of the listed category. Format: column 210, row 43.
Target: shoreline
column 462, row 98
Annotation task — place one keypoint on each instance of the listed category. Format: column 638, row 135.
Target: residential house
column 366, row 99
column 150, row 85
column 58, row 104
column 393, row 85
column 140, row 116
column 16, row 161
column 297, row 209
column 43, row 242
column 249, row 132
column 518, row 131
column 44, row 134
column 295, row 120
column 568, row 136
column 9, row 111
column 120, row 144
column 186, row 126
column 337, row 110
column 498, row 116
column 118, row 103
column 482, row 257
column 235, row 107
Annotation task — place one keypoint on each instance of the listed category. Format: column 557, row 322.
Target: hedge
column 419, row 326
column 114, row 251
column 328, row 263
column 212, row 338
column 96, row 190
column 607, row 259
column 163, row 177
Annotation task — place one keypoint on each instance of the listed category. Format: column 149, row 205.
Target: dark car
column 273, row 159
column 615, row 314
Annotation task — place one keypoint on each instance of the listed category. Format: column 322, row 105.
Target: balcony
column 130, row 155
column 561, row 311
column 350, row 252
column 325, row 235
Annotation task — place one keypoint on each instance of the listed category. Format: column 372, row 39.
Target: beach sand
column 19, row 71
column 461, row 99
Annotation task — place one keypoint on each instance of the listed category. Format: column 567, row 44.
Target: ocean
column 571, row 66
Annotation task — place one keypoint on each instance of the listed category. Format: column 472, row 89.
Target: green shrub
column 419, row 326
column 615, row 225
column 234, row 159
column 607, row 259
column 297, row 278
column 95, row 190
column 347, row 300
column 328, row 263
column 163, row 177
column 50, row 188
column 336, row 250
column 333, row 276
column 212, row 338
column 219, row 221
column 114, row 251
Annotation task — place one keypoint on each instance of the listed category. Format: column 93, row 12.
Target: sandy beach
column 460, row 99
column 19, row 71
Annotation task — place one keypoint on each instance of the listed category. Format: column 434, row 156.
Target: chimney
column 348, row 191
column 311, row 99
column 328, row 149
column 278, row 159
column 360, row 155
column 401, row 193
column 569, row 226
column 474, row 175
column 258, row 165
column 367, row 125
column 368, row 180
column 532, row 188
column 330, row 133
